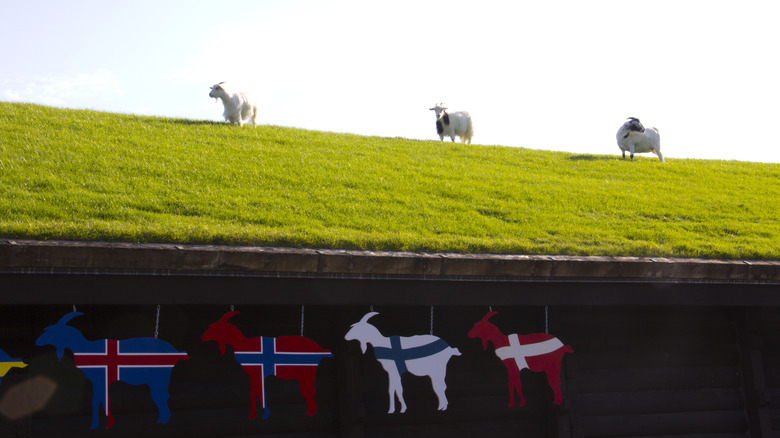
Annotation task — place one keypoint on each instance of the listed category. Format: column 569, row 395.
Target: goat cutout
column 7, row 362
column 136, row 361
column 537, row 352
column 421, row 355
column 286, row 357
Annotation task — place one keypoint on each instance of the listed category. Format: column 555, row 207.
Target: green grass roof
column 92, row 176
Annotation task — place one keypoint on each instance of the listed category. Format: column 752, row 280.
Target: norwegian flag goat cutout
column 286, row 357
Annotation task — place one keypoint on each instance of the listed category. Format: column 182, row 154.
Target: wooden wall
column 638, row 370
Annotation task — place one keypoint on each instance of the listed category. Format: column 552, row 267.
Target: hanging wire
column 157, row 323
column 301, row 319
column 431, row 318
column 546, row 320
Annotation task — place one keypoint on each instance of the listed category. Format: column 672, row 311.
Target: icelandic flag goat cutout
column 136, row 361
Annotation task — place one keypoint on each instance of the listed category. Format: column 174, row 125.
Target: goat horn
column 228, row 315
column 488, row 316
column 65, row 319
column 367, row 316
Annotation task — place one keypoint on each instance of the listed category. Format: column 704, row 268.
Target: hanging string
column 157, row 323
column 431, row 318
column 546, row 320
column 301, row 320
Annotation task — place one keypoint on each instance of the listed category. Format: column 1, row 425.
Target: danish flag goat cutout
column 286, row 357
column 537, row 352
column 136, row 361
column 421, row 355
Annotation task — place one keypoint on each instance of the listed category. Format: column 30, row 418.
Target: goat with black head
column 457, row 124
column 633, row 137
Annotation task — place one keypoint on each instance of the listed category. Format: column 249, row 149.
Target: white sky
column 557, row 75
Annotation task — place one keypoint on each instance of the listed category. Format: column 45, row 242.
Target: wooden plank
column 352, row 413
column 661, row 401
column 176, row 257
column 635, row 356
column 665, row 424
column 111, row 287
column 656, row 379
column 701, row 435
column 506, row 428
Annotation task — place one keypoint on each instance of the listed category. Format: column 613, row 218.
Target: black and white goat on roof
column 457, row 124
column 635, row 138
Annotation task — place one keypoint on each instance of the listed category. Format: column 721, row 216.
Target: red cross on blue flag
column 134, row 361
column 286, row 357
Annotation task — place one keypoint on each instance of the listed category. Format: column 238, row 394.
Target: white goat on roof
column 238, row 106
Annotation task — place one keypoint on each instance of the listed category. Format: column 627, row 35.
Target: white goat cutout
column 421, row 355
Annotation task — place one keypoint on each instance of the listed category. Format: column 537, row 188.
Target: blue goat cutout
column 136, row 361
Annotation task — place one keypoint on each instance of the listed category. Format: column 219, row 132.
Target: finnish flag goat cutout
column 421, row 355
column 537, row 352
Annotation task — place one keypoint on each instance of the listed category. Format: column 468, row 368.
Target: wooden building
column 662, row 347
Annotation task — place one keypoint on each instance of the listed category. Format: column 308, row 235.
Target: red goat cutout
column 286, row 357
column 537, row 352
